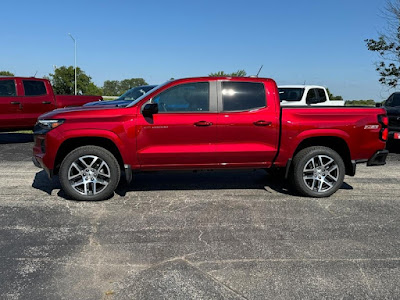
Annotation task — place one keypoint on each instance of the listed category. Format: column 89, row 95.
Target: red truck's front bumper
column 43, row 157
column 38, row 162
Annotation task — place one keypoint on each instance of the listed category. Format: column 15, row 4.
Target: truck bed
column 357, row 126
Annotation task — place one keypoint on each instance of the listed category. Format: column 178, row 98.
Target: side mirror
column 150, row 109
column 378, row 104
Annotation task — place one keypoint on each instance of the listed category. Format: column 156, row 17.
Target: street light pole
column 74, row 57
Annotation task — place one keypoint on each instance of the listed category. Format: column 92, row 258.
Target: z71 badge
column 371, row 126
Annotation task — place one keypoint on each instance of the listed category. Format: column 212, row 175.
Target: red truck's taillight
column 384, row 121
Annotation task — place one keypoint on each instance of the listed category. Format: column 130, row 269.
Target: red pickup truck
column 24, row 99
column 208, row 123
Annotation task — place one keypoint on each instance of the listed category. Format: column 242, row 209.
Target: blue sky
column 311, row 41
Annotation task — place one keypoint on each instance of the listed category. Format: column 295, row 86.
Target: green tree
column 111, row 88
column 93, row 89
column 6, row 73
column 387, row 46
column 115, row 87
column 238, row 73
column 331, row 97
column 126, row 84
column 63, row 81
column 369, row 102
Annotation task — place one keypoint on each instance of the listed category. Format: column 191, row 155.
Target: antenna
column 35, row 74
column 259, row 70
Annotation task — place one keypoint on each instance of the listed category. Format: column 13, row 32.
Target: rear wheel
column 89, row 173
column 317, row 171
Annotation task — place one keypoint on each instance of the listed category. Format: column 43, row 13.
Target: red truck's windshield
column 153, row 90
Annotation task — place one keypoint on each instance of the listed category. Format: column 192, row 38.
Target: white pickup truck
column 303, row 95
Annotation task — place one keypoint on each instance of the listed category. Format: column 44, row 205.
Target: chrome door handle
column 202, row 123
column 262, row 123
column 17, row 103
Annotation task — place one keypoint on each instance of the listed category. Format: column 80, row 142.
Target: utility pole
column 74, row 58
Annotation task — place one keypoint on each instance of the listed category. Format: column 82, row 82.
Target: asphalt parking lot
column 204, row 235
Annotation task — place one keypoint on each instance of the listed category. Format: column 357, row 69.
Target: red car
column 206, row 123
column 24, row 99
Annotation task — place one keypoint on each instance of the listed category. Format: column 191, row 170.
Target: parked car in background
column 208, row 123
column 23, row 99
column 126, row 98
column 303, row 95
column 392, row 106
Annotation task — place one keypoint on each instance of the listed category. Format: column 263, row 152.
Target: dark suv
column 392, row 106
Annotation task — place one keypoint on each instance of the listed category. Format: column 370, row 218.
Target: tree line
column 63, row 83
column 63, row 77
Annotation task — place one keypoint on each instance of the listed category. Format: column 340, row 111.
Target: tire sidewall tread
column 90, row 150
column 301, row 159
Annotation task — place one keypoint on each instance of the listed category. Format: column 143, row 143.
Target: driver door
column 10, row 105
column 183, row 132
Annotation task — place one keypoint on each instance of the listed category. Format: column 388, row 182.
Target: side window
column 189, row 97
column 34, row 88
column 321, row 95
column 242, row 96
column 396, row 100
column 389, row 101
column 7, row 88
column 311, row 97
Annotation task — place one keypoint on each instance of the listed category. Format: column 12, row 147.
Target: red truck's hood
column 89, row 111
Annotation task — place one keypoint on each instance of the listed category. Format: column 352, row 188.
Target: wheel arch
column 335, row 143
column 75, row 142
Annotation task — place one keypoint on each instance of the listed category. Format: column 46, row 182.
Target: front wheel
column 318, row 171
column 89, row 173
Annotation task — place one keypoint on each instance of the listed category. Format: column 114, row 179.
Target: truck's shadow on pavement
column 180, row 181
column 43, row 183
column 202, row 180
column 214, row 180
column 15, row 138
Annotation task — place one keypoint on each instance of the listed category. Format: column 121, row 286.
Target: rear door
column 37, row 100
column 183, row 132
column 247, row 124
column 10, row 104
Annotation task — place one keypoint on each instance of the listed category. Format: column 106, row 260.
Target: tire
column 89, row 173
column 317, row 172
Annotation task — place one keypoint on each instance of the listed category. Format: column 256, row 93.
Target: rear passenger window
column 389, row 101
column 34, row 88
column 321, row 94
column 7, row 88
column 311, row 96
column 396, row 100
column 242, row 96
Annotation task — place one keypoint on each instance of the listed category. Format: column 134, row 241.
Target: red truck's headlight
column 42, row 126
